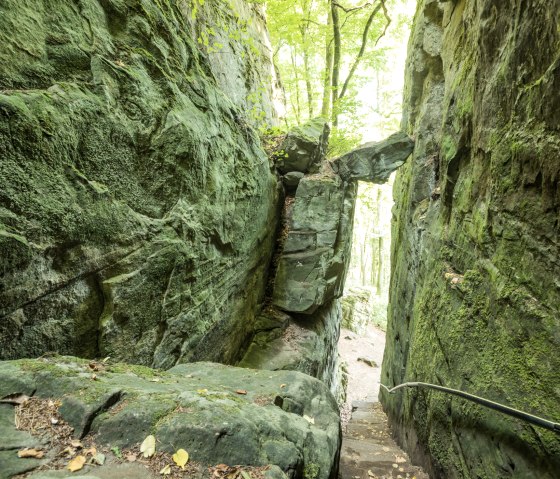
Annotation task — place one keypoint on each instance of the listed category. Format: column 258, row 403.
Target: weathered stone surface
column 137, row 209
column 304, row 148
column 313, row 265
column 133, row 471
column 285, row 418
column 374, row 162
column 474, row 301
column 359, row 309
column 292, row 179
column 308, row 345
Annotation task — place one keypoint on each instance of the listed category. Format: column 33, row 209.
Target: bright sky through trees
column 343, row 59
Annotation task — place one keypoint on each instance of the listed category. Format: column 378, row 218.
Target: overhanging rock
column 374, row 162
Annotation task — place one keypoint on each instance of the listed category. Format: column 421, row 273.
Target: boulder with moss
column 129, row 174
column 219, row 414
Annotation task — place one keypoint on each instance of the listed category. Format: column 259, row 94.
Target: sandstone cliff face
column 475, row 295
column 137, row 209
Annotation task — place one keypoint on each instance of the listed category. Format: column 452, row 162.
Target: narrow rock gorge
column 474, row 298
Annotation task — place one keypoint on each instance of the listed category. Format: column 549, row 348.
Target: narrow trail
column 368, row 450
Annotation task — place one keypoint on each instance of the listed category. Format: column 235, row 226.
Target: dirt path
column 368, row 450
column 363, row 379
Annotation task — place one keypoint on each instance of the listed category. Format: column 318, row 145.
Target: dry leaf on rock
column 76, row 464
column 92, row 451
column 310, row 420
column 35, row 453
column 148, row 447
column 181, row 457
column 241, row 391
column 166, row 470
column 131, row 457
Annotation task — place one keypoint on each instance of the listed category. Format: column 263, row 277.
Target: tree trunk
column 336, row 61
column 297, row 108
column 327, row 75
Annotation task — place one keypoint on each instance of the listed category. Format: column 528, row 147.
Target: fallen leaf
column 155, row 380
column 241, row 391
column 148, row 447
column 399, row 459
column 117, row 452
column 94, row 377
column 181, row 457
column 69, row 451
column 54, row 421
column 25, row 453
column 106, row 359
column 189, row 376
column 76, row 464
column 202, row 391
column 77, row 444
column 166, row 470
column 310, row 420
column 282, row 385
column 92, row 451
column 246, row 475
column 131, row 457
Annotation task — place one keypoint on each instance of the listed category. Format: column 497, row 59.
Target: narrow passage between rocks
column 368, row 450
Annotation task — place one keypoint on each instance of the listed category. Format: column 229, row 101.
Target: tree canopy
column 325, row 51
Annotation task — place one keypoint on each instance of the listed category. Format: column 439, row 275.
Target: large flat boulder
column 374, row 162
column 219, row 414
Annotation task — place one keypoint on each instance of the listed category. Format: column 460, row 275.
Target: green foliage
column 300, row 32
column 311, row 471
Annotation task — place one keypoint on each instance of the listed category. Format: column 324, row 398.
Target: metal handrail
column 525, row 416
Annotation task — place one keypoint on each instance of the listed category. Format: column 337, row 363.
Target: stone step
column 369, row 451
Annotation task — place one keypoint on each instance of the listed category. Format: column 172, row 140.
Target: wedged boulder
column 304, row 147
column 374, row 162
column 292, row 179
column 219, row 414
column 314, row 261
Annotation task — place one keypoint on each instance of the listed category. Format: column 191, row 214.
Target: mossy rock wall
column 137, row 208
column 475, row 297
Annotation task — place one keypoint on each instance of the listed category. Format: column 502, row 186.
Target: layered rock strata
column 475, row 299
